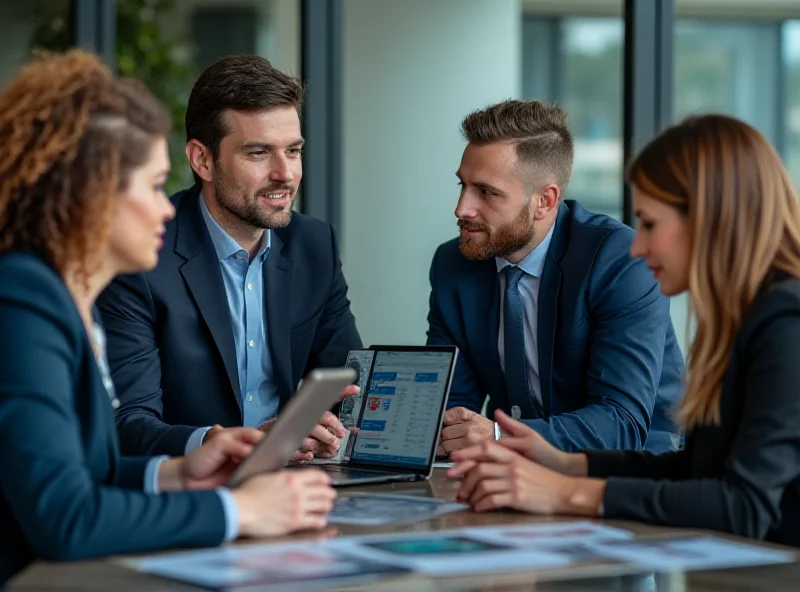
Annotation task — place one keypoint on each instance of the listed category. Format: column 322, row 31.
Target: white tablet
column 319, row 391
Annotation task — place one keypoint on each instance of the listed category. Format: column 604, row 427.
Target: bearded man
column 247, row 297
column 555, row 322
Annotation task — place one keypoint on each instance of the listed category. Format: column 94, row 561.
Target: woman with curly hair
column 718, row 217
column 83, row 160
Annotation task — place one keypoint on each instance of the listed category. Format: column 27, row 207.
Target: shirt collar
column 225, row 246
column 533, row 264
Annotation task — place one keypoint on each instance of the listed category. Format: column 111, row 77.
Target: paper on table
column 685, row 554
column 383, row 508
column 289, row 566
column 545, row 535
column 446, row 553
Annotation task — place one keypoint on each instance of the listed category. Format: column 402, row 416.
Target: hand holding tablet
column 318, row 392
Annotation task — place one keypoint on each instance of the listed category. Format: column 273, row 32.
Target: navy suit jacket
column 170, row 338
column 609, row 364
column 65, row 492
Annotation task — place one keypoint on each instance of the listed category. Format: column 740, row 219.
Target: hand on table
column 284, row 502
column 463, row 428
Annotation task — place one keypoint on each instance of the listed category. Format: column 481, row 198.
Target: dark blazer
column 65, row 492
column 743, row 475
column 609, row 364
column 170, row 342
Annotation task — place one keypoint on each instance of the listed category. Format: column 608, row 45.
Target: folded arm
column 629, row 321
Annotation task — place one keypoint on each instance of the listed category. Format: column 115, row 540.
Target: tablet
column 319, row 391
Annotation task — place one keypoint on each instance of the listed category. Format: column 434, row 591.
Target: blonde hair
column 744, row 222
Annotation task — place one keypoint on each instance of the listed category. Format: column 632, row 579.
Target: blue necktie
column 516, row 367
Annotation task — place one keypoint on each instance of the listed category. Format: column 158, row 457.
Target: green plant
column 142, row 51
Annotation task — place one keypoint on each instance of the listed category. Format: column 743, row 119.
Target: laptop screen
column 403, row 408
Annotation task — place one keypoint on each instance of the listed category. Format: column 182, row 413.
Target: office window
column 577, row 63
column 791, row 60
column 729, row 67
column 24, row 25
column 747, row 69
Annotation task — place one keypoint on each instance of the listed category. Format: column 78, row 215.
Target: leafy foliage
column 142, row 51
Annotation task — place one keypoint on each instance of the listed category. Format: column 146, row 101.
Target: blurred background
column 390, row 80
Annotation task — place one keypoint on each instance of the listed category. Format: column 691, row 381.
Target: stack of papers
column 356, row 559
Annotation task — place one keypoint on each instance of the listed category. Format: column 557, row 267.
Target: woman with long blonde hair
column 718, row 217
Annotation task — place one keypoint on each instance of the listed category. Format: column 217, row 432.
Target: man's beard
column 246, row 207
column 502, row 242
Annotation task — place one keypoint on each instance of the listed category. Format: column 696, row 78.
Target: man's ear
column 550, row 196
column 547, row 199
column 200, row 160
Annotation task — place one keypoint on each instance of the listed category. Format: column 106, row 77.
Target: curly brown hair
column 70, row 135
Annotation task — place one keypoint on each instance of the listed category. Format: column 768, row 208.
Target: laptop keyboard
column 349, row 473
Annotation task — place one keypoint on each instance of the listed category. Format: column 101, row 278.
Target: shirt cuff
column 151, row 474
column 195, row 441
column 231, row 513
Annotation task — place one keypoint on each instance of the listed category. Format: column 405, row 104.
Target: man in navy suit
column 247, row 296
column 554, row 320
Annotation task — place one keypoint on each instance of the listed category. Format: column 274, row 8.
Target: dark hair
column 240, row 83
column 70, row 135
column 543, row 140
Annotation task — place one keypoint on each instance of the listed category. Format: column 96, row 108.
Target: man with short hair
column 247, row 296
column 554, row 320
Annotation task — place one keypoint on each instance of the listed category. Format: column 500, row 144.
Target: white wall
column 412, row 69
column 682, row 321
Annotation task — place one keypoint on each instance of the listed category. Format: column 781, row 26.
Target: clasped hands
column 521, row 470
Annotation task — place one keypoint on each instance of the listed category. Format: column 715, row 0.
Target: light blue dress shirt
column 244, row 287
column 226, row 497
column 528, row 287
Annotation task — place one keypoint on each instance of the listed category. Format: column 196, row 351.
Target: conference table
column 109, row 575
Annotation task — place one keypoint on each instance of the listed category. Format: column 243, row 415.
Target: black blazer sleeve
column 67, row 505
column 764, row 457
column 629, row 463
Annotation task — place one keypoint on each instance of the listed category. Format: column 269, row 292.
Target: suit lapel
column 482, row 295
column 278, row 276
column 547, row 305
column 203, row 277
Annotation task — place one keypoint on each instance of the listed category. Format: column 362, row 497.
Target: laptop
column 401, row 415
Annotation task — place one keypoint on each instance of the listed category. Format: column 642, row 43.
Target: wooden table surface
column 105, row 575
